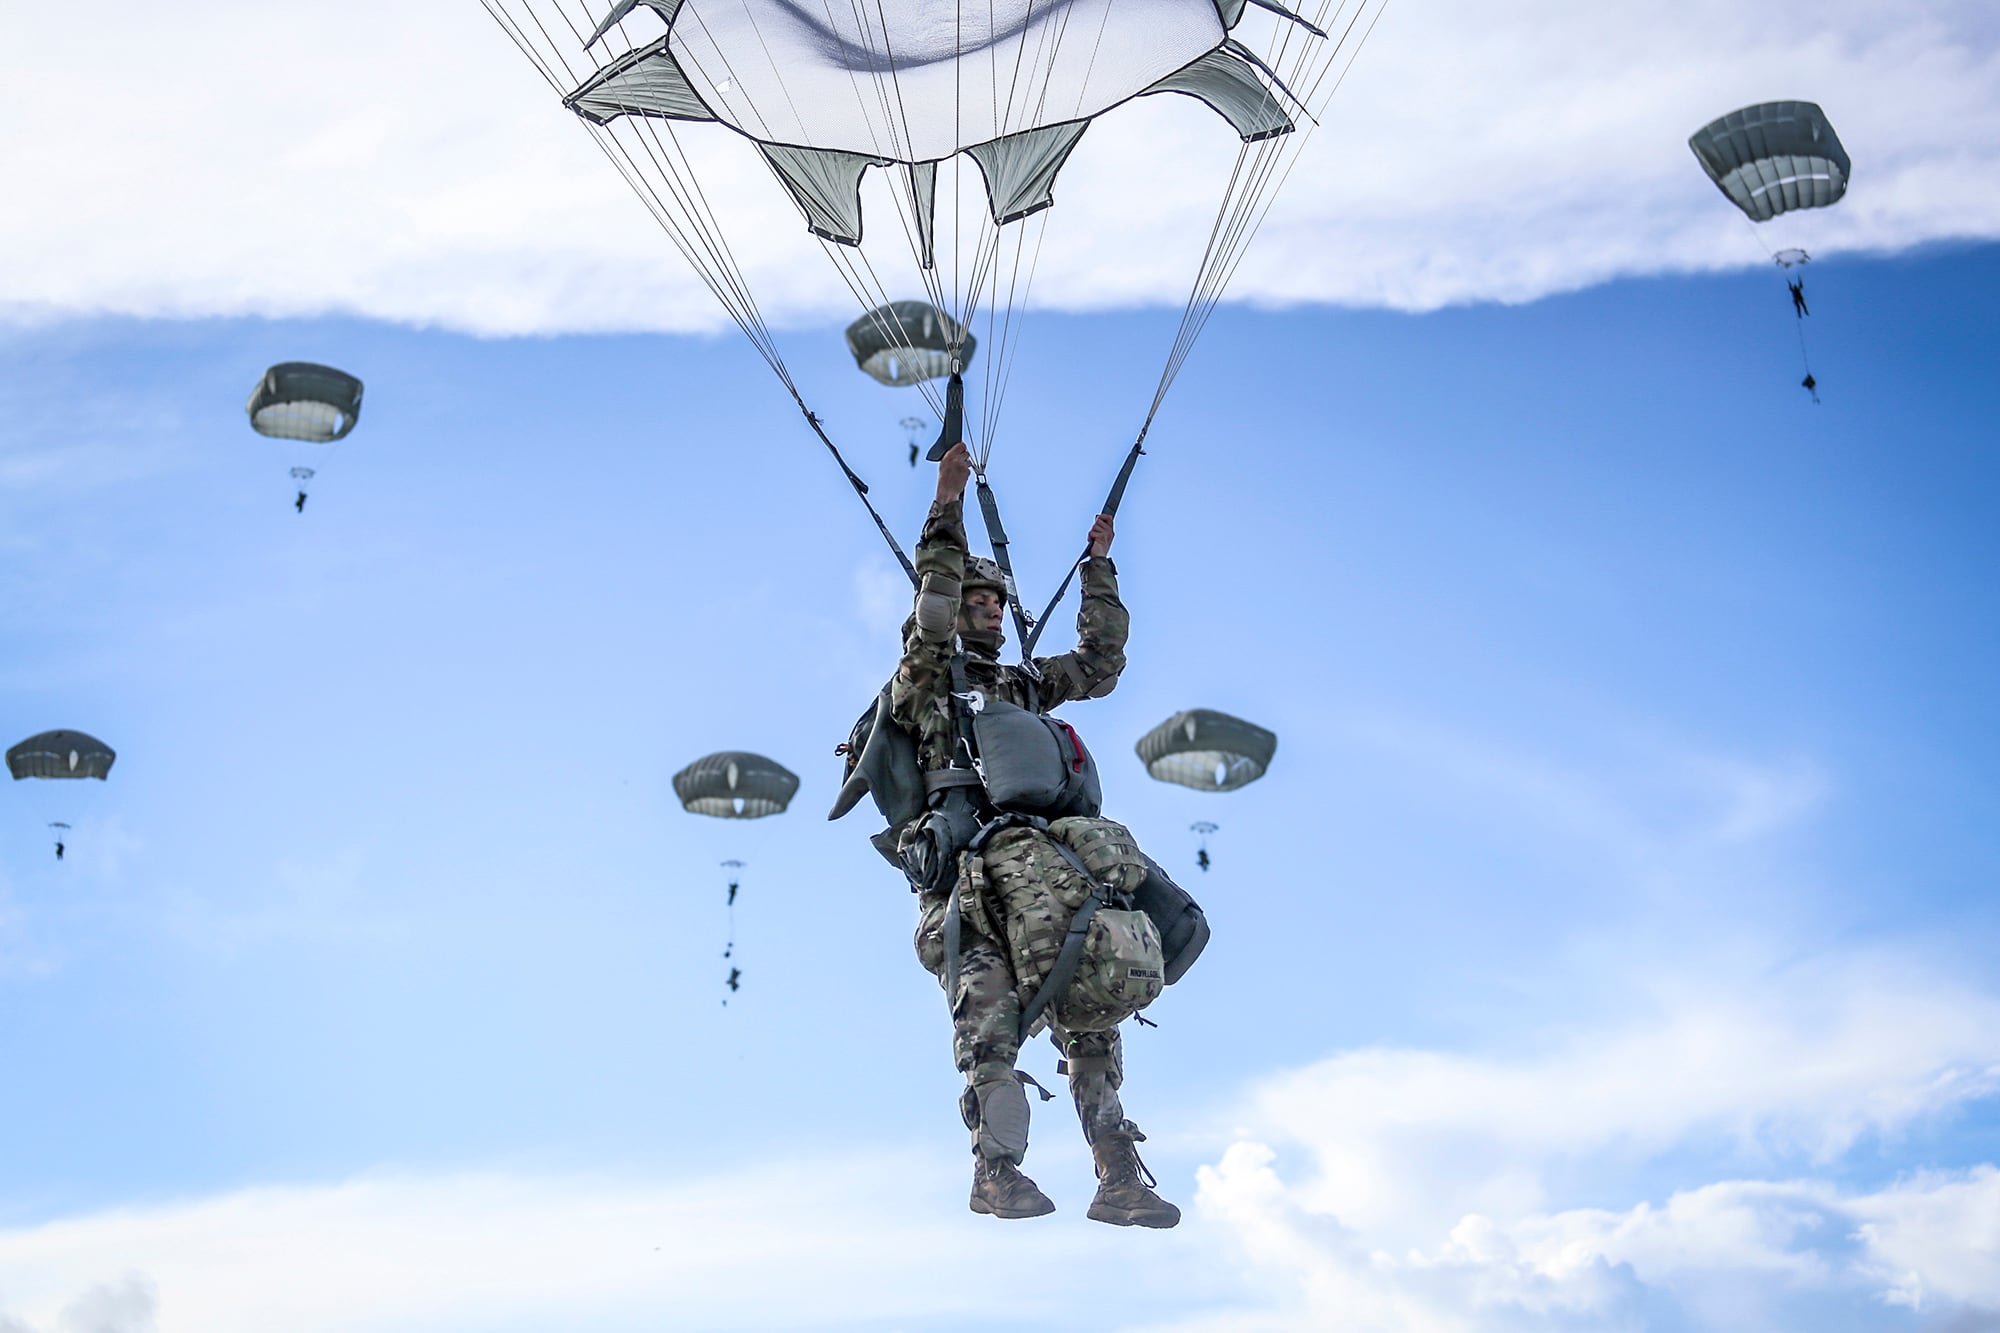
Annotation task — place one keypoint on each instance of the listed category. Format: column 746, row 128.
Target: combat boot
column 999, row 1188
column 1124, row 1194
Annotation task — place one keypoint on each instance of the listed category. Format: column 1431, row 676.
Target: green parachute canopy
column 61, row 754
column 908, row 342
column 298, row 400
column 734, row 784
column 1207, row 750
column 1774, row 157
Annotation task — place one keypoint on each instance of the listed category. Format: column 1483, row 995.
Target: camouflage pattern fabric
column 985, row 1034
column 986, row 1011
column 920, row 694
column 1035, row 892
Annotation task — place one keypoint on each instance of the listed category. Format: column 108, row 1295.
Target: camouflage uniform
column 986, row 1010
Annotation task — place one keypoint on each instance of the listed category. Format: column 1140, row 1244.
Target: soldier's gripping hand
column 954, row 469
column 1100, row 535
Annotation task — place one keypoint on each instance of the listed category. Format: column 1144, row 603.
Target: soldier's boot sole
column 1039, row 1209
column 1152, row 1211
column 1000, row 1190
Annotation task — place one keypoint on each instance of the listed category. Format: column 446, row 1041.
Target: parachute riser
column 996, row 536
column 1111, row 503
column 861, row 490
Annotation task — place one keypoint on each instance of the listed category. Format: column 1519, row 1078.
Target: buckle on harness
column 974, row 700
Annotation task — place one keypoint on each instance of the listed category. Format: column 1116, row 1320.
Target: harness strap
column 951, row 941
column 1064, row 971
column 942, row 779
column 961, row 715
column 996, row 536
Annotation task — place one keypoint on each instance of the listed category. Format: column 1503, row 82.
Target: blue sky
column 1608, row 947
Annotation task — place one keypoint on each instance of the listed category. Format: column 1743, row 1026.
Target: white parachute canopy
column 921, row 89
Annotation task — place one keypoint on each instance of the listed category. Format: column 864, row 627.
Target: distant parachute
column 1774, row 157
column 1201, row 828
column 298, row 400
column 908, row 342
column 61, row 754
column 734, row 784
column 1207, row 750
column 1771, row 159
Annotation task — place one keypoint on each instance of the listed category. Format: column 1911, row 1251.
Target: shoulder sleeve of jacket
column 930, row 632
column 1091, row 669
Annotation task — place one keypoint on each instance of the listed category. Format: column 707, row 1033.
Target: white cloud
column 402, row 162
column 860, row 1242
column 1417, row 1190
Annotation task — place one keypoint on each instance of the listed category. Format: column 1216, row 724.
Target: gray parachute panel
column 826, row 185
column 299, row 400
column 1230, row 85
column 645, row 82
column 908, row 342
column 923, row 208
column 61, row 754
column 735, row 784
column 1020, row 169
column 1207, row 750
column 1774, row 157
column 666, row 9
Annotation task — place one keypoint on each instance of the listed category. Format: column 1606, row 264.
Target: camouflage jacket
column 921, row 692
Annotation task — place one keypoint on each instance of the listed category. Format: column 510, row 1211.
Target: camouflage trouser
column 985, row 1041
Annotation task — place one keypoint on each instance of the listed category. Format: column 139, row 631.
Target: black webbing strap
column 961, row 713
column 941, row 779
column 1111, row 503
column 953, row 430
column 1064, row 970
column 861, row 489
column 996, row 536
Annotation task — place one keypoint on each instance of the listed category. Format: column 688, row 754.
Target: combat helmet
column 982, row 573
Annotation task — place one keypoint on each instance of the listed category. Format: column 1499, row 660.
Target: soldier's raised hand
column 1100, row 535
column 954, row 469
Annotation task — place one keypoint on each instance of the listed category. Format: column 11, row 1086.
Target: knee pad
column 996, row 1110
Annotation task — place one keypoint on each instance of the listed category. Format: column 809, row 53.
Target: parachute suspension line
column 689, row 221
column 1253, row 186
column 1000, row 362
column 1111, row 503
column 692, row 230
column 849, row 261
column 861, row 490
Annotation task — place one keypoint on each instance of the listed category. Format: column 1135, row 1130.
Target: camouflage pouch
column 1122, row 970
column 1106, row 848
column 1021, row 861
column 1036, row 892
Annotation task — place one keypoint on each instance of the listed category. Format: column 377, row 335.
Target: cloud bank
column 1419, row 1190
column 402, row 162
